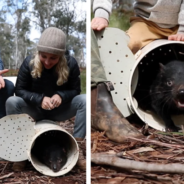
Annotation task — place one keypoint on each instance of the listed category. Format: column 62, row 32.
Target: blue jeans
column 77, row 107
column 5, row 93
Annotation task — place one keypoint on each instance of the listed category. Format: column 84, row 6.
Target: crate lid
column 16, row 133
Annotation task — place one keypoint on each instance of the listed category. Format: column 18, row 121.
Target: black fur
column 49, row 150
column 167, row 93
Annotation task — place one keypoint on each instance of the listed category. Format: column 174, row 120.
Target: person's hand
column 2, row 83
column 99, row 23
column 46, row 103
column 56, row 100
column 177, row 37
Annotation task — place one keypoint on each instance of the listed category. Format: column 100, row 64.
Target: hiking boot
column 105, row 116
column 81, row 163
column 19, row 166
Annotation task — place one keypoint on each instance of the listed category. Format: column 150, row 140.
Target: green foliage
column 119, row 20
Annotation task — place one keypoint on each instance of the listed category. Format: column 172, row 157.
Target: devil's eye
column 59, row 160
column 169, row 83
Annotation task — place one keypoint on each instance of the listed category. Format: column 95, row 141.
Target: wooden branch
column 112, row 160
column 157, row 143
column 6, row 176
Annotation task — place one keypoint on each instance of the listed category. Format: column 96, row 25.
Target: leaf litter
column 155, row 148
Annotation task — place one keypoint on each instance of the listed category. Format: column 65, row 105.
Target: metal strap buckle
column 109, row 85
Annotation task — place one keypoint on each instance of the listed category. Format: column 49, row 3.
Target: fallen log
column 113, row 160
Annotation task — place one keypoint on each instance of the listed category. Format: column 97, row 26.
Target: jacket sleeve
column 73, row 82
column 1, row 65
column 102, row 8
column 24, row 82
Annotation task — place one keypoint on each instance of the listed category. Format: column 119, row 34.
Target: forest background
column 23, row 21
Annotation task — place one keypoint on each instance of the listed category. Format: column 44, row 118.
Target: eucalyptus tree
column 15, row 12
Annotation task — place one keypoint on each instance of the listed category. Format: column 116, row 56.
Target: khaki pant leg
column 97, row 70
column 142, row 32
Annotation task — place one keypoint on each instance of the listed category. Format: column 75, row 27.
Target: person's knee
column 82, row 100
column 134, row 45
column 11, row 101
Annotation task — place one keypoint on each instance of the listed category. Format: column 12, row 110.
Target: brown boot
column 107, row 117
column 19, row 166
column 81, row 163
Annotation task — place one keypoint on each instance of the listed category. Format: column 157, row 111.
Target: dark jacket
column 1, row 65
column 33, row 90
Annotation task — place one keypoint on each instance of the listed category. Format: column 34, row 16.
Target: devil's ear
column 162, row 68
column 64, row 150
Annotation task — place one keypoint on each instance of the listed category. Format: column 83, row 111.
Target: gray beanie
column 53, row 41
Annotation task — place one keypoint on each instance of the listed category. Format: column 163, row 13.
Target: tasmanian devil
column 50, row 152
column 167, row 93
column 54, row 156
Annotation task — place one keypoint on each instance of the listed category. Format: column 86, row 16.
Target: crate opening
column 148, row 68
column 52, row 152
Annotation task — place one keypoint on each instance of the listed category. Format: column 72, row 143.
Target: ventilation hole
column 126, row 55
column 153, row 54
column 116, row 43
column 124, row 99
column 118, row 60
column 99, row 47
column 102, row 36
column 142, row 71
column 109, row 73
column 116, row 93
column 160, row 49
column 121, row 71
column 114, row 83
column 110, row 52
column 121, row 83
column 169, row 50
column 140, row 63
